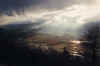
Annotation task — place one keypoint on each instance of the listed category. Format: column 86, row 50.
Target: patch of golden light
column 75, row 48
column 75, row 41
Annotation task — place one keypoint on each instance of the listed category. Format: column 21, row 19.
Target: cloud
column 59, row 20
column 67, row 20
column 9, row 5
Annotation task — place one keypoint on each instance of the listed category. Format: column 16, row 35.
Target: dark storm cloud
column 6, row 5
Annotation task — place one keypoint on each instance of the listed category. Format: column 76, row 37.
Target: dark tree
column 92, row 35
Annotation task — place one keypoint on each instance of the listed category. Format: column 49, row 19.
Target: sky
column 58, row 17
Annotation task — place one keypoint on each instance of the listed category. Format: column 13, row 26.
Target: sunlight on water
column 73, row 47
column 76, row 48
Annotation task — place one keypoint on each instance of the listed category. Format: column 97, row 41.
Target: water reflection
column 76, row 48
column 59, row 44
